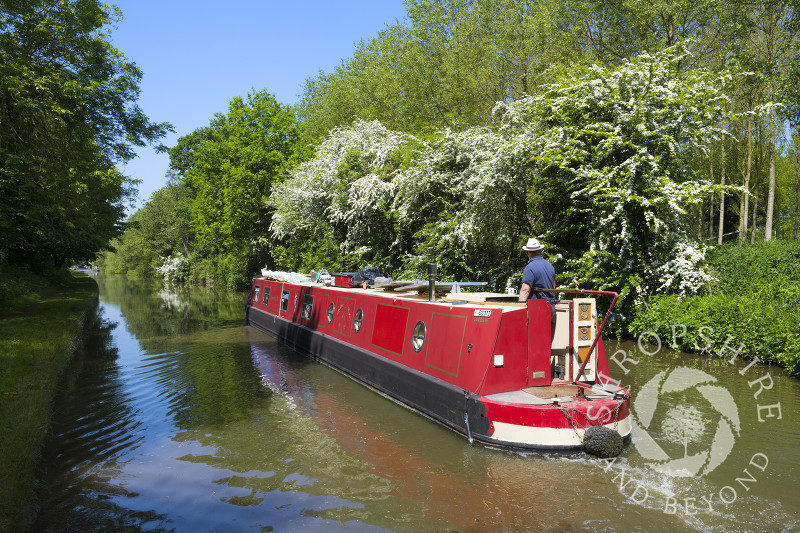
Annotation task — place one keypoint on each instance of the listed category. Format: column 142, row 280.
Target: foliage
column 174, row 268
column 183, row 156
column 464, row 203
column 445, row 68
column 231, row 166
column 245, row 152
column 19, row 286
column 68, row 114
column 599, row 165
column 212, row 214
column 752, row 308
column 162, row 228
column 448, row 63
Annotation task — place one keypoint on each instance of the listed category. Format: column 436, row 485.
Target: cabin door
column 539, row 335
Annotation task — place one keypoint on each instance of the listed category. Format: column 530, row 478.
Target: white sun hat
column 533, row 246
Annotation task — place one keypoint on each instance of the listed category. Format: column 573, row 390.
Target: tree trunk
column 771, row 193
column 700, row 222
column 721, row 194
column 796, row 180
column 796, row 198
column 745, row 204
column 185, row 244
column 759, row 157
column 711, row 202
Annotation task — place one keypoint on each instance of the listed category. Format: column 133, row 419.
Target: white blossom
column 174, row 268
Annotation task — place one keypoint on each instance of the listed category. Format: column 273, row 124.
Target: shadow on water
column 94, row 423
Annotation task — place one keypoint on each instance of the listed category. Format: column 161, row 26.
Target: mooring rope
column 565, row 410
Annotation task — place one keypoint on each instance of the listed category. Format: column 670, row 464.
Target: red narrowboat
column 498, row 371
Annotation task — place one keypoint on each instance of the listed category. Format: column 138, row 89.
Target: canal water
column 177, row 417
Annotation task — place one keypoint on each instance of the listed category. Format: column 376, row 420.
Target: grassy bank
column 752, row 308
column 35, row 348
column 19, row 287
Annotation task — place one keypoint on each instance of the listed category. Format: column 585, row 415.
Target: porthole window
column 358, row 320
column 330, row 312
column 285, row 300
column 418, row 336
column 265, row 301
column 255, row 294
column 308, row 305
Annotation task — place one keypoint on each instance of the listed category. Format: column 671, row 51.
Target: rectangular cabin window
column 266, row 296
column 255, row 295
column 308, row 305
column 285, row 301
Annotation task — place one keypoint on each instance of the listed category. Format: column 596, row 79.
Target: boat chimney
column 431, row 280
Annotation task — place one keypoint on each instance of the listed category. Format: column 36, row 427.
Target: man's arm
column 524, row 292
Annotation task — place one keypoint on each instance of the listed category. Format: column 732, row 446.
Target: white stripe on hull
column 527, row 436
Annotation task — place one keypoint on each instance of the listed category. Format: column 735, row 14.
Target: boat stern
column 555, row 417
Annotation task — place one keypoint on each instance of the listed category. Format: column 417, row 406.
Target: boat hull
column 435, row 398
column 521, row 421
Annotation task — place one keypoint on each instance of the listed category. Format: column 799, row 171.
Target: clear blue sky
column 197, row 56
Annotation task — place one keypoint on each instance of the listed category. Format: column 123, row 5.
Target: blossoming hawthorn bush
column 345, row 192
column 613, row 177
column 174, row 268
column 464, row 202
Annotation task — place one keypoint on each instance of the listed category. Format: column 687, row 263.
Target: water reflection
column 151, row 311
column 177, row 417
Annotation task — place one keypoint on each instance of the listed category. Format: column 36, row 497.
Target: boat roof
column 414, row 291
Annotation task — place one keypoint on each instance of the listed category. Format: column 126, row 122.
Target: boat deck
column 547, row 394
column 537, row 395
column 553, row 391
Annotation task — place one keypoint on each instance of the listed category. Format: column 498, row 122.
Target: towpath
column 31, row 306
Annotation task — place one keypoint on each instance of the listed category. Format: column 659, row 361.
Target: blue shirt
column 539, row 273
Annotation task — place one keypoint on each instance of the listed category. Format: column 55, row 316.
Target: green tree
column 446, row 68
column 183, row 156
column 464, row 203
column 231, row 166
column 600, row 165
column 68, row 114
column 161, row 229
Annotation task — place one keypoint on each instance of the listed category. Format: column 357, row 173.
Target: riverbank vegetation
column 35, row 348
column 68, row 120
column 749, row 309
column 20, row 287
